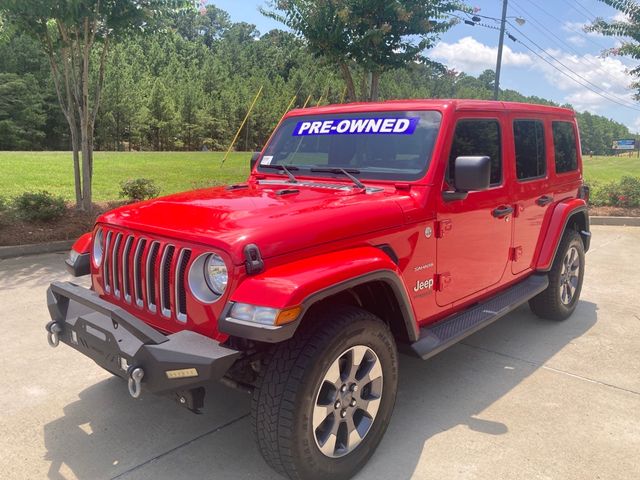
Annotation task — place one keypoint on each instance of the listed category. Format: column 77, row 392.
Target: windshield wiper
column 343, row 171
column 286, row 169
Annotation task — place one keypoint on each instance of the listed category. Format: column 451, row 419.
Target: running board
column 435, row 338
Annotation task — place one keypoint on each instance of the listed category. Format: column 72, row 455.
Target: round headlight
column 216, row 274
column 98, row 248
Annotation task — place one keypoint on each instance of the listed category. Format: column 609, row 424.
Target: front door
column 474, row 234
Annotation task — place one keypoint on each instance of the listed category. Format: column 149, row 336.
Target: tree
column 628, row 28
column 21, row 112
column 70, row 32
column 370, row 36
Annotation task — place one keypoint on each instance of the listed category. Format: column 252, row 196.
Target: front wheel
column 560, row 298
column 324, row 399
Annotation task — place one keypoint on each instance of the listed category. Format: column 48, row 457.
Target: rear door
column 474, row 235
column 531, row 191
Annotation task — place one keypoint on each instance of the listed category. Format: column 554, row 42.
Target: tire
column 294, row 382
column 560, row 298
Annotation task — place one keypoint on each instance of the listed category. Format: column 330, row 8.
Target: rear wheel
column 560, row 298
column 324, row 398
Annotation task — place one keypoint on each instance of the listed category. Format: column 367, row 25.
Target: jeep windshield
column 374, row 145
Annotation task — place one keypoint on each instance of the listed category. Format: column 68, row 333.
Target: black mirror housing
column 254, row 159
column 472, row 173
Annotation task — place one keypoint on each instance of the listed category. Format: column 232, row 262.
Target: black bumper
column 120, row 343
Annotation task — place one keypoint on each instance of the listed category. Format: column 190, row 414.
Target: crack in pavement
column 552, row 369
column 177, row 447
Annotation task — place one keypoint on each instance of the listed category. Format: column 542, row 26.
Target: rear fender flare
column 563, row 214
column 308, row 281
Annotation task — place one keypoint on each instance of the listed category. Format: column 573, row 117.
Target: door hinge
column 516, row 253
column 443, row 226
column 442, row 281
column 517, row 210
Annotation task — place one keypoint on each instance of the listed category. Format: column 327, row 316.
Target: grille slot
column 115, row 265
column 152, row 256
column 126, row 257
column 137, row 271
column 181, row 293
column 106, row 268
column 165, row 272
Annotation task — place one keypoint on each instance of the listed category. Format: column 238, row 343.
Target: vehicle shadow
column 106, row 433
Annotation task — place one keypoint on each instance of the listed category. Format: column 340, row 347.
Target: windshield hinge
column 253, row 260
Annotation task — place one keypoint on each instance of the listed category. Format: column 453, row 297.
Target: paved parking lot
column 523, row 399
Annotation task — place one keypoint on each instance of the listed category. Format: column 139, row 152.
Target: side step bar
column 435, row 338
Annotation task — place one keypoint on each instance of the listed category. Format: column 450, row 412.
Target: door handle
column 502, row 211
column 544, row 200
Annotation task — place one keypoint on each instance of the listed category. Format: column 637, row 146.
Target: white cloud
column 577, row 40
column 620, row 17
column 470, row 56
column 608, row 76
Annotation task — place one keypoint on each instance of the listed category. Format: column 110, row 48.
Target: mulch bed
column 614, row 212
column 17, row 232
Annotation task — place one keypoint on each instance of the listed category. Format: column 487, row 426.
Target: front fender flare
column 307, row 281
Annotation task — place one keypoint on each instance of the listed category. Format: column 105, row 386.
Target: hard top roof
column 436, row 104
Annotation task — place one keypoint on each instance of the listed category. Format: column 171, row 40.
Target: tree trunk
column 86, row 130
column 364, row 87
column 348, row 80
column 375, row 83
column 75, row 148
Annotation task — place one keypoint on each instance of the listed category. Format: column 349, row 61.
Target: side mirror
column 470, row 174
column 254, row 159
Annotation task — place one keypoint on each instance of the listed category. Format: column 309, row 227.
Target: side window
column 478, row 138
column 564, row 142
column 530, row 149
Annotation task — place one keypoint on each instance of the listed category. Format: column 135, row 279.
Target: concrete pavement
column 522, row 399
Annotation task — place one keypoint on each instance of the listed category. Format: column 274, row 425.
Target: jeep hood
column 266, row 215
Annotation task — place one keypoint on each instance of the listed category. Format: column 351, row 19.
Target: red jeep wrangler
column 361, row 229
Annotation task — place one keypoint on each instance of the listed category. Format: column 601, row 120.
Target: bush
column 3, row 204
column 39, row 206
column 139, row 189
column 623, row 193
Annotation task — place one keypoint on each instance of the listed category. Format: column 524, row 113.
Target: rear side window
column 475, row 138
column 564, row 142
column 530, row 149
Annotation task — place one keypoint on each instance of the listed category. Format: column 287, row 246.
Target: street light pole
column 496, row 86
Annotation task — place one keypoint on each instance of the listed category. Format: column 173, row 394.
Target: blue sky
column 552, row 28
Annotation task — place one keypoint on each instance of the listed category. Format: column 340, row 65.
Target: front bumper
column 123, row 344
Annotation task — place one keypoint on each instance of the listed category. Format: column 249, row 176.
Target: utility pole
column 496, row 86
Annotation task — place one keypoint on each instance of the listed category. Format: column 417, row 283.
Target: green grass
column 607, row 169
column 179, row 171
column 172, row 171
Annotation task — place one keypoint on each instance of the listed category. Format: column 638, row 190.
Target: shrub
column 3, row 204
column 623, row 193
column 626, row 192
column 139, row 189
column 39, row 206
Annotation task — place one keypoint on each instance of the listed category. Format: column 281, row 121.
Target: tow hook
column 135, row 379
column 53, row 331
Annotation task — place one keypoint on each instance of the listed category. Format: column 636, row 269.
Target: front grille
column 141, row 271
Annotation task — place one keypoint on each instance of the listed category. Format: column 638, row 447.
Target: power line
column 561, row 42
column 583, row 11
column 567, row 25
column 594, row 88
column 585, row 82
